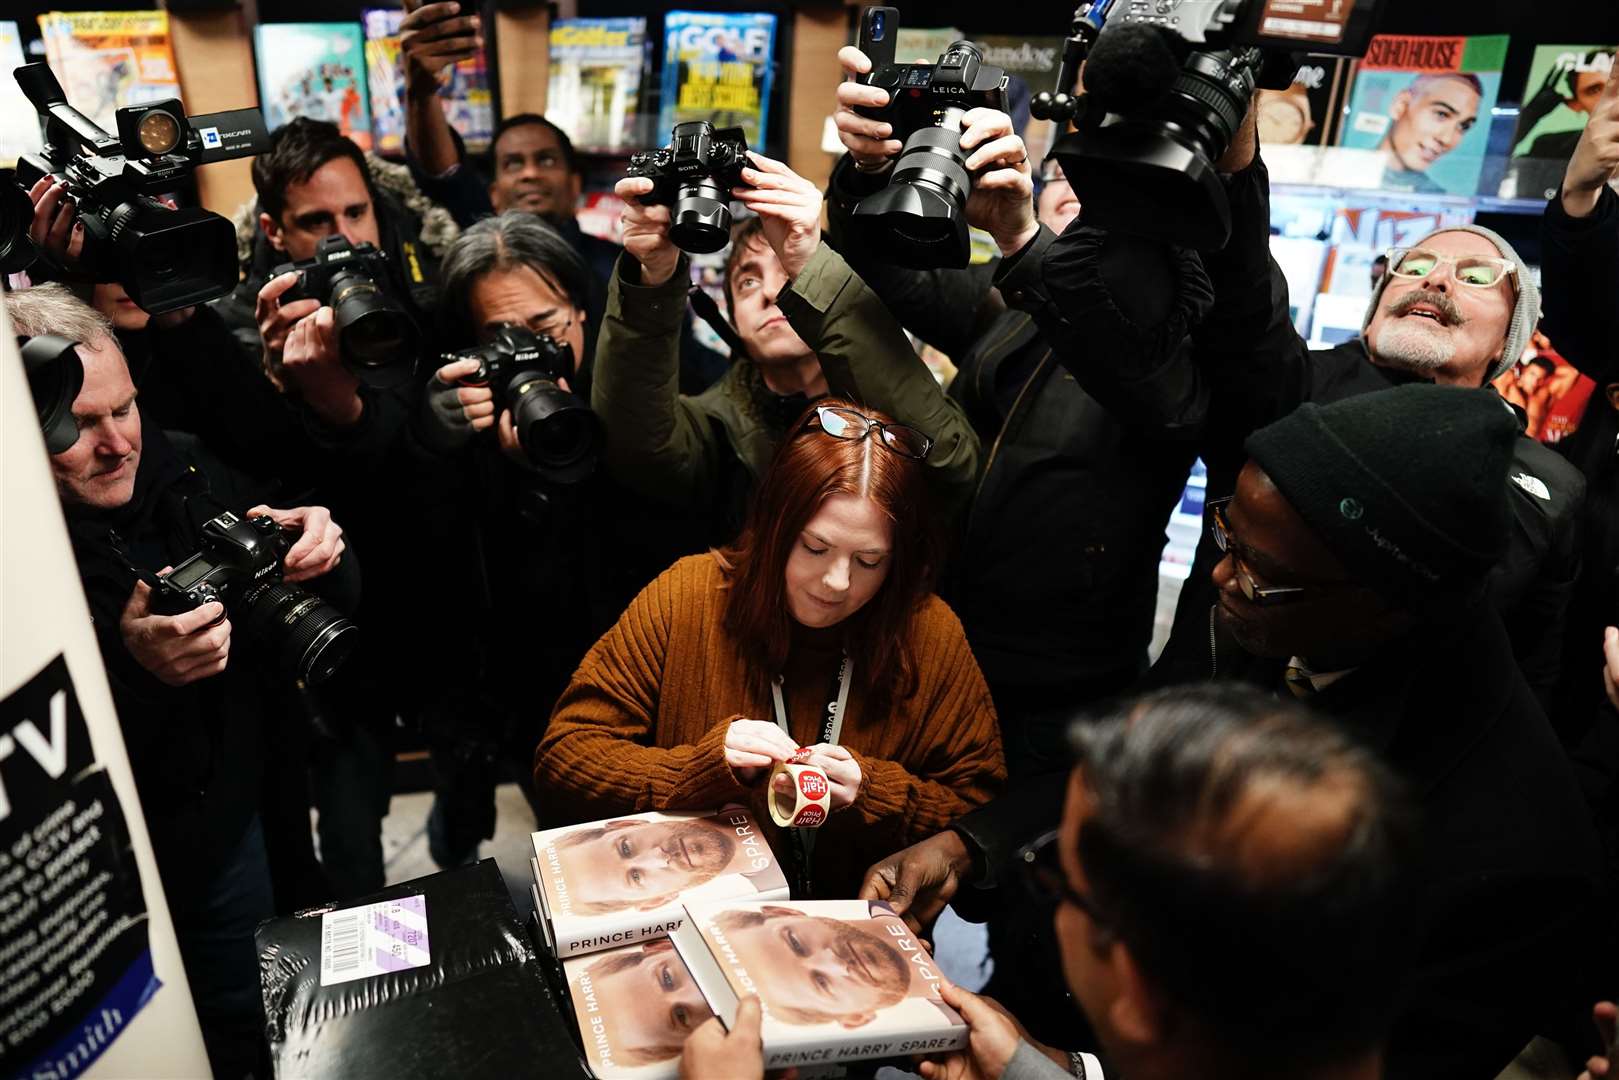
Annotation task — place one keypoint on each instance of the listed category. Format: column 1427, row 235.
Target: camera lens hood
column 1143, row 180
column 700, row 219
column 55, row 377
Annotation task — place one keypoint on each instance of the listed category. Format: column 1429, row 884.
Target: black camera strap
column 801, row 842
column 703, row 304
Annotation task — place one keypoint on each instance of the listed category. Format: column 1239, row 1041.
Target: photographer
column 194, row 697
column 562, row 542
column 1056, row 576
column 810, row 327
column 1242, row 365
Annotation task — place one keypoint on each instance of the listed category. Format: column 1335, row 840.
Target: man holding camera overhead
column 809, row 327
column 193, row 690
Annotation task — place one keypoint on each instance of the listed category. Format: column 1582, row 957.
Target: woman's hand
column 753, row 746
column 842, row 772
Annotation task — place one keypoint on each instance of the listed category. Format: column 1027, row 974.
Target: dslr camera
column 1167, row 85
column 557, row 430
column 165, row 258
column 240, row 566
column 694, row 176
column 376, row 337
column 920, row 218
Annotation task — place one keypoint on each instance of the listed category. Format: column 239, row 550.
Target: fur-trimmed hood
column 438, row 228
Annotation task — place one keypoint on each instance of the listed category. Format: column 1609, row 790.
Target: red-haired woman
column 816, row 629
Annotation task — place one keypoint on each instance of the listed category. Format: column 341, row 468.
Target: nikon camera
column 240, row 566
column 165, row 258
column 377, row 338
column 694, row 176
column 557, row 430
column 920, row 218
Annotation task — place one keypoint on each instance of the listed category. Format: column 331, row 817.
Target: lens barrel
column 377, row 339
column 700, row 220
column 308, row 637
column 920, row 219
column 560, row 435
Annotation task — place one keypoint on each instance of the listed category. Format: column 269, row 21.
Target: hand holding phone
column 434, row 37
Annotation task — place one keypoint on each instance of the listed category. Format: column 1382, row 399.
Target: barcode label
column 373, row 940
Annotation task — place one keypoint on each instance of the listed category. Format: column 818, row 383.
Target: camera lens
column 558, row 432
column 378, row 340
column 16, row 214
column 920, row 217
column 700, row 221
column 158, row 132
column 308, row 637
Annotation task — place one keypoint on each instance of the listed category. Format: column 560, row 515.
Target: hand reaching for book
column 711, row 1053
column 994, row 1035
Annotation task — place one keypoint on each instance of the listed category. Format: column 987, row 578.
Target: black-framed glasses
column 844, row 423
column 1259, row 594
column 1043, row 877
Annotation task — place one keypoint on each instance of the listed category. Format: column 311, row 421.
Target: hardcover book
column 635, row 1005
column 837, row 980
column 615, row 882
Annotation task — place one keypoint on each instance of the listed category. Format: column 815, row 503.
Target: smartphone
column 879, row 28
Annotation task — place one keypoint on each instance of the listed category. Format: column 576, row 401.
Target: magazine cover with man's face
column 611, row 882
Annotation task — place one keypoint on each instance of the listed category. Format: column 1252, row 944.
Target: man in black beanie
column 1354, row 575
column 1356, row 553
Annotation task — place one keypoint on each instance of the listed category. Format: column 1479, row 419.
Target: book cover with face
column 635, row 1005
column 612, row 882
column 837, row 980
column 1565, row 83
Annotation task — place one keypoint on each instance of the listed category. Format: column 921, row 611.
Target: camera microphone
column 1131, row 66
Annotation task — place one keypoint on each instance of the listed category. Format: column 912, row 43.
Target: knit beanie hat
column 1525, row 317
column 1407, row 486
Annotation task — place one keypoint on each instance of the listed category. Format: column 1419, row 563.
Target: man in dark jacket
column 194, row 699
column 1244, row 365
column 1353, row 578
column 1056, row 574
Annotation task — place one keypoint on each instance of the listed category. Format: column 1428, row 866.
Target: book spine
column 612, row 934
column 782, row 1053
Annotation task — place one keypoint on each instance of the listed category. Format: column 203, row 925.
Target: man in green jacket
column 810, row 327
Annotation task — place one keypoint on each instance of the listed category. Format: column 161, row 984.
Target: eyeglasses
column 1245, row 579
column 1043, row 877
column 841, row 423
column 1478, row 271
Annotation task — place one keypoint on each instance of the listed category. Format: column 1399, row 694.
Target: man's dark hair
column 297, row 149
column 1288, row 962
column 743, row 233
column 1544, row 364
column 505, row 242
column 565, row 144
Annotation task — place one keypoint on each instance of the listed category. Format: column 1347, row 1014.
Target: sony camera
column 376, row 337
column 1167, row 84
column 557, row 430
column 240, row 566
column 920, row 218
column 165, row 258
column 694, row 176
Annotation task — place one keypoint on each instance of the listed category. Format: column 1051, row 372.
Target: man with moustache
column 1456, row 308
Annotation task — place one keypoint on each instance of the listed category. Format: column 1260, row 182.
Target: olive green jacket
column 686, row 449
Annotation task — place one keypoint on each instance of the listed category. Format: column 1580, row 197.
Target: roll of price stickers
column 809, row 801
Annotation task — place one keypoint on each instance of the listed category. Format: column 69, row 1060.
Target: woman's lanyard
column 801, row 842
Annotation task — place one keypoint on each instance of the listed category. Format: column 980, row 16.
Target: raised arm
column 436, row 37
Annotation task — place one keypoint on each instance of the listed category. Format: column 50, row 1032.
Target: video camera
column 375, row 336
column 694, row 176
column 557, row 430
column 240, row 566
column 165, row 258
column 919, row 219
column 1167, row 85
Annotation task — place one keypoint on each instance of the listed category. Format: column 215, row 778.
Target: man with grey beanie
column 1455, row 308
